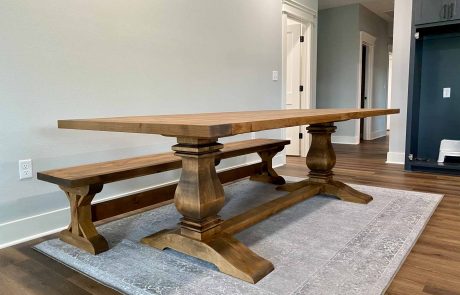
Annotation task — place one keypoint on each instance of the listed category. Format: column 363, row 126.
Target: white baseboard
column 396, row 158
column 355, row 139
column 33, row 227
column 378, row 134
column 345, row 139
column 279, row 160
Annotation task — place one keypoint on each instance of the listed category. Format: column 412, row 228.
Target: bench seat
column 111, row 171
column 82, row 183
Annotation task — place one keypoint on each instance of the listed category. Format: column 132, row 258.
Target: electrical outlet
column 25, row 169
column 446, row 92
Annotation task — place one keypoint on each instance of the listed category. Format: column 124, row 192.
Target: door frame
column 307, row 17
column 365, row 39
column 389, row 94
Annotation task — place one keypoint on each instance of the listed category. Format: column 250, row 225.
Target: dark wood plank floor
column 433, row 267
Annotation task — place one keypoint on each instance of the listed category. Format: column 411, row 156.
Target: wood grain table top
column 215, row 125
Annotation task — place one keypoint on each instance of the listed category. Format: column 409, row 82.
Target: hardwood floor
column 433, row 267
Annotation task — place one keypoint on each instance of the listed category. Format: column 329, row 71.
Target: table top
column 215, row 125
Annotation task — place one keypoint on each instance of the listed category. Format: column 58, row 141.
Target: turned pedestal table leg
column 199, row 198
column 321, row 160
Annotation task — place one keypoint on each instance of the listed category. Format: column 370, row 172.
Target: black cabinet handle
column 444, row 11
column 451, row 9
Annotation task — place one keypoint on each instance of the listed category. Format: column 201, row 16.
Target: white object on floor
column 449, row 148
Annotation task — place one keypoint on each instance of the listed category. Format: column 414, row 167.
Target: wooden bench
column 82, row 183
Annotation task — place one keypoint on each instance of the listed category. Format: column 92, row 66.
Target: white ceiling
column 382, row 8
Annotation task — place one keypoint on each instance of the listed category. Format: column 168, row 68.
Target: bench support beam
column 81, row 231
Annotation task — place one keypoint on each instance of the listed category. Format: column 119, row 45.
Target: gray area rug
column 319, row 246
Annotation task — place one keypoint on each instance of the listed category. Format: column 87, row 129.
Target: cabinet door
column 431, row 11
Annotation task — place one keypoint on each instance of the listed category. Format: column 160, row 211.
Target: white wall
column 79, row 59
column 400, row 79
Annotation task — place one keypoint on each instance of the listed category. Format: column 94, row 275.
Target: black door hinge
column 301, row 88
column 300, row 135
column 302, row 39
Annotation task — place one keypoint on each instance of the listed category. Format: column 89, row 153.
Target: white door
column 293, row 84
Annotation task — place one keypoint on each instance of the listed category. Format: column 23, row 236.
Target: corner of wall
column 395, row 158
column 337, row 139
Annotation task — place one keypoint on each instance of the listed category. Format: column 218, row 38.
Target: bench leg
column 81, row 232
column 267, row 173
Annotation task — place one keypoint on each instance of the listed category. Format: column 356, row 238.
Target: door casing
column 367, row 40
column 308, row 19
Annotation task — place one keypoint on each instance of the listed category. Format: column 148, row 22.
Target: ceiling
column 383, row 8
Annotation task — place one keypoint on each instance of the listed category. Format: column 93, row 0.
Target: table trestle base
column 228, row 254
column 332, row 188
column 255, row 215
column 199, row 198
column 321, row 160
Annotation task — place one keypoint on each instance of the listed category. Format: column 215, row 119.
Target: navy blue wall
column 439, row 118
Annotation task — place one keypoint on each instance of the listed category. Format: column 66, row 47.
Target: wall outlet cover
column 446, row 93
column 25, row 169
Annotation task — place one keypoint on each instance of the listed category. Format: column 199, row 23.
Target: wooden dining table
column 199, row 196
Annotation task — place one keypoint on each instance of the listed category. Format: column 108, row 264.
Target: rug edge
column 409, row 250
column 119, row 290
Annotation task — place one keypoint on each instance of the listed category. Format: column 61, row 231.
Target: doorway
column 363, row 88
column 299, row 30
column 297, row 84
column 365, row 82
column 294, row 82
column 390, row 77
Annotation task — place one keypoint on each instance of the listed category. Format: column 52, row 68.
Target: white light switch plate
column 275, row 75
column 446, row 93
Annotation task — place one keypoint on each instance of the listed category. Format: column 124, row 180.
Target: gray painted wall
column 373, row 24
column 338, row 57
column 83, row 59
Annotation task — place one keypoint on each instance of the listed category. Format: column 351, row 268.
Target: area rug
column 319, row 246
